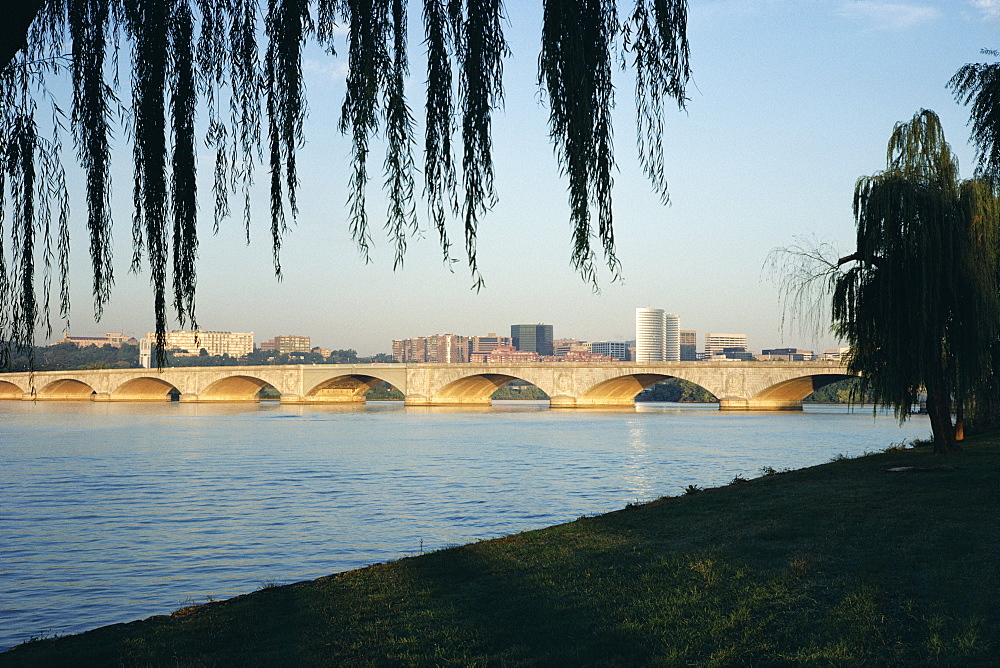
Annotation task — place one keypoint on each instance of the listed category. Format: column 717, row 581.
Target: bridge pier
column 298, row 399
column 740, row 404
column 335, row 395
column 421, row 400
column 572, row 402
column 415, row 400
column 562, row 402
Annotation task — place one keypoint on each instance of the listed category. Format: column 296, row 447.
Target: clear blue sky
column 791, row 101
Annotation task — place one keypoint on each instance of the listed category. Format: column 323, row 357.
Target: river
column 113, row 512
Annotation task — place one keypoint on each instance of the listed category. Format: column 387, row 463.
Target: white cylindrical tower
column 650, row 335
column 671, row 337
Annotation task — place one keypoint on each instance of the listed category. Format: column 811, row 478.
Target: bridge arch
column 66, row 389
column 622, row 390
column 790, row 393
column 343, row 388
column 475, row 388
column 144, row 388
column 233, row 388
column 9, row 390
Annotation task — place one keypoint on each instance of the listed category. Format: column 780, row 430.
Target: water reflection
column 636, row 478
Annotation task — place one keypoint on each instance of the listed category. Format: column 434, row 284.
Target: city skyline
column 268, row 344
column 769, row 149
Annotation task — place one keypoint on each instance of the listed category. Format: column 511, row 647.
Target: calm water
column 112, row 512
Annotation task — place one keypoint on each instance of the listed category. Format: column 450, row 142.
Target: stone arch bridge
column 738, row 385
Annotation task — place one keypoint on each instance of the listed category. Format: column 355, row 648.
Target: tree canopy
column 918, row 301
column 978, row 85
column 239, row 64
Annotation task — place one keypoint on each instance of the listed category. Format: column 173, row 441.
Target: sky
column 790, row 102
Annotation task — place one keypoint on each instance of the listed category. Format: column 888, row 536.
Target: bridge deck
column 737, row 385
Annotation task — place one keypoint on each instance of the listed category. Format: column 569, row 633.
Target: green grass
column 839, row 564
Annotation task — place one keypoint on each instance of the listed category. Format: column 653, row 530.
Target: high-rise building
column 288, row 343
column 448, row 348
column 441, row 348
column 671, row 337
column 657, row 336
column 689, row 345
column 649, row 335
column 532, row 338
column 192, row 342
column 410, row 350
column 716, row 344
column 484, row 344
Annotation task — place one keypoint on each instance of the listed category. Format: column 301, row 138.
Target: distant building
column 410, row 350
column 448, row 349
column 113, row 339
column 716, row 344
column 484, row 344
column 440, row 348
column 617, row 350
column 533, row 338
column 689, row 345
column 786, row 355
column 835, row 354
column 322, row 352
column 562, row 346
column 505, row 355
column 657, row 336
column 649, row 335
column 580, row 356
column 191, row 343
column 289, row 343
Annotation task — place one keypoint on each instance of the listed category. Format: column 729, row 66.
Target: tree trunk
column 959, row 423
column 939, row 411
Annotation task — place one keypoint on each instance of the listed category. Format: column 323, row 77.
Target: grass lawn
column 837, row 564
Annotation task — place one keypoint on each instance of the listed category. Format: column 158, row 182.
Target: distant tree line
column 520, row 391
column 384, row 392
column 846, row 391
column 69, row 356
column 264, row 357
column 676, row 390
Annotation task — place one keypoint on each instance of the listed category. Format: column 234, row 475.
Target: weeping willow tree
column 238, row 63
column 918, row 301
column 977, row 85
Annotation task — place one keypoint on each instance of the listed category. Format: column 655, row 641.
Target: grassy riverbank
column 839, row 563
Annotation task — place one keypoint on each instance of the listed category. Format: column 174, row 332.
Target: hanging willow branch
column 440, row 181
column 657, row 36
column 481, row 90
column 575, row 68
column 229, row 60
column 88, row 24
column 978, row 84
